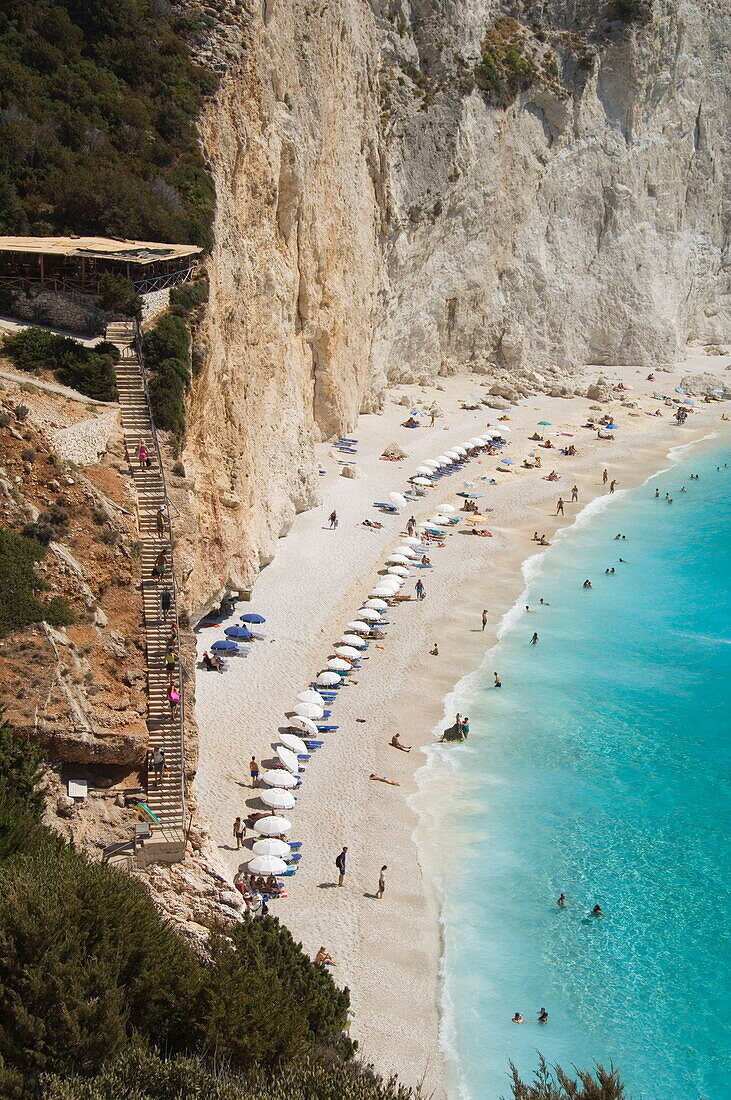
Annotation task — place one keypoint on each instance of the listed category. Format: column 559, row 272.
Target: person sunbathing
column 383, row 779
column 548, row 444
column 208, row 663
column 538, row 438
column 324, row 959
column 410, row 423
column 553, row 476
column 372, row 523
column 396, row 743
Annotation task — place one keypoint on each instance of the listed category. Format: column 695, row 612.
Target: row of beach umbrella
column 271, row 851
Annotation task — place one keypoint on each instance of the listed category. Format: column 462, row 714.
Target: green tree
column 555, row 1084
column 19, row 585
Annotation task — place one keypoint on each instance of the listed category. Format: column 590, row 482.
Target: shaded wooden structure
column 75, row 264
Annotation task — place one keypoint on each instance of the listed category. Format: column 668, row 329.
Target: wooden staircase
column 166, row 798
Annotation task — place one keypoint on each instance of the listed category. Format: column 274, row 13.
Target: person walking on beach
column 239, row 832
column 433, row 416
column 484, row 619
column 333, row 519
column 254, row 771
column 559, row 506
column 574, row 494
column 420, row 590
column 611, row 486
column 605, row 477
column 340, row 864
column 411, row 527
column 534, row 640
column 381, row 882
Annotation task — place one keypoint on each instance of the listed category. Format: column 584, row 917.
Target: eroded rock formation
column 412, row 187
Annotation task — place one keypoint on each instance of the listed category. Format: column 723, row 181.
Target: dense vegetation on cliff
column 98, row 103
column 99, row 995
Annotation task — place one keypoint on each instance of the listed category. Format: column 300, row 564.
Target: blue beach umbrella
column 238, row 632
column 679, row 389
column 544, row 423
column 613, row 427
column 252, row 618
column 225, row 643
column 507, row 461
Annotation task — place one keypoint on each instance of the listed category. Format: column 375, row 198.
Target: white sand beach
column 387, row 950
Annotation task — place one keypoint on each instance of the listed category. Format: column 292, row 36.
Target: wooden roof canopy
column 99, row 248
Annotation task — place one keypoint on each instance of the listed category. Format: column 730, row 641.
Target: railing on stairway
column 179, row 662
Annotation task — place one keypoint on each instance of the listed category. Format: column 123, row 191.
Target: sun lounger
column 327, row 729
column 386, row 507
column 304, row 756
column 294, row 844
column 314, row 744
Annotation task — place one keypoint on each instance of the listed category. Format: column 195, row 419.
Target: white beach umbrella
column 271, row 847
column 411, row 541
column 398, row 499
column 277, row 799
column 369, row 614
column 353, row 640
column 397, row 559
column 359, row 626
column 448, row 508
column 289, row 759
column 501, row 430
column 303, row 724
column 490, row 435
column 338, row 665
column 328, row 679
column 308, row 710
column 445, row 460
column 425, row 470
column 399, row 571
column 386, row 591
column 267, row 865
column 279, row 777
column 420, row 481
column 376, row 605
column 454, row 455
column 407, row 551
column 272, row 826
column 291, row 741
column 346, row 651
column 432, row 463
column 310, row 696
column 460, row 450
column 438, row 520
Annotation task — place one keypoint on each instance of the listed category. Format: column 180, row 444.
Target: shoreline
column 461, row 696
column 388, row 951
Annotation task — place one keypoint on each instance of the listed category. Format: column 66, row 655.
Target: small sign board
column 78, row 788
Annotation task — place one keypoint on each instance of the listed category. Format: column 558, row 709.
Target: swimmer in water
column 586, row 584
column 543, row 1016
column 498, row 681
column 534, row 640
column 597, row 911
column 561, row 900
column 623, row 561
column 657, row 494
column 517, row 1018
column 543, row 603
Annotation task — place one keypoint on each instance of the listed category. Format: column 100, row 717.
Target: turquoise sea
column 600, row 769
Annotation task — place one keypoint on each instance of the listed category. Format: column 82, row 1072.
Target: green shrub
column 19, row 585
column 97, row 131
column 88, row 370
column 118, row 295
column 506, row 66
column 631, row 11
column 143, row 1075
column 166, row 353
column 260, row 964
column 188, row 296
column 555, row 1084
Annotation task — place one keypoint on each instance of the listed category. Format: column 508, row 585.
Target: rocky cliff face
column 413, row 187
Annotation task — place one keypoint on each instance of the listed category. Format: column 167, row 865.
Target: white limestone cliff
column 378, row 219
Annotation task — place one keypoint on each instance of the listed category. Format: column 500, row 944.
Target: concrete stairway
column 166, row 797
